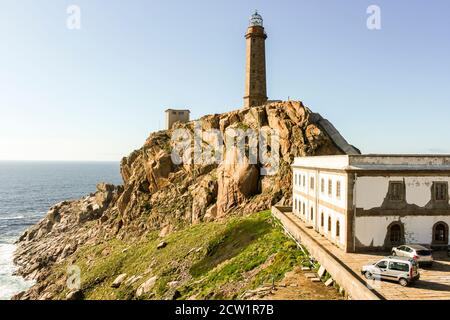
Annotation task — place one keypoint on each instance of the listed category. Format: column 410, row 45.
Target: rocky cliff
column 159, row 195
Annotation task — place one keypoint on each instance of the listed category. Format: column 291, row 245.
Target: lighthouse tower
column 255, row 72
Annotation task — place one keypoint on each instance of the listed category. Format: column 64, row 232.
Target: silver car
column 401, row 269
column 421, row 254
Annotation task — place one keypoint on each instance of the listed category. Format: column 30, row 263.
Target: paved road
column 434, row 283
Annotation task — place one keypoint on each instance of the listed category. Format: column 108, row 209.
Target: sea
column 27, row 190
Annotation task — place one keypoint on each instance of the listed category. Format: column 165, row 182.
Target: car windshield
column 424, row 252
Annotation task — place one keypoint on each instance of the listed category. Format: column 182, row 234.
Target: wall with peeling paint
column 371, row 191
column 371, row 231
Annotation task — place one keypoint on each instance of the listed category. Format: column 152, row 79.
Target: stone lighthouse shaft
column 255, row 73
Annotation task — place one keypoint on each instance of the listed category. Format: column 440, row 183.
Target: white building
column 374, row 202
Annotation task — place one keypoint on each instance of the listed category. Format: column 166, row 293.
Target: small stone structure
column 374, row 202
column 175, row 115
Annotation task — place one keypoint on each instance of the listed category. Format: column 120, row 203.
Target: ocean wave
column 9, row 283
column 13, row 218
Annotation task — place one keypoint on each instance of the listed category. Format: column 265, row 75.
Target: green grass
column 217, row 260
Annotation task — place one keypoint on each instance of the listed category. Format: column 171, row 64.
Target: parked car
column 401, row 269
column 421, row 254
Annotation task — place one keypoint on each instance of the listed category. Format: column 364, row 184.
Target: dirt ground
column 295, row 286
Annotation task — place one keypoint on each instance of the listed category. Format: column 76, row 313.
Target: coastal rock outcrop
column 160, row 194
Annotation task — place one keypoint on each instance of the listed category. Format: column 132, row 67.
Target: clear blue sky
column 97, row 93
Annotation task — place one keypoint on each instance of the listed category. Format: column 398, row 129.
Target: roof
column 376, row 162
column 169, row 110
column 416, row 246
column 397, row 258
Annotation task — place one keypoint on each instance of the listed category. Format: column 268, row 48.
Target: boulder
column 211, row 213
column 161, row 245
column 237, row 181
column 202, row 196
column 118, row 281
column 146, row 286
column 130, row 281
column 157, row 169
column 75, row 295
column 165, row 231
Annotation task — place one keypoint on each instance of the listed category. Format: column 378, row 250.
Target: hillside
column 163, row 201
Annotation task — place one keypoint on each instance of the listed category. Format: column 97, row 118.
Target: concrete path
column 434, row 283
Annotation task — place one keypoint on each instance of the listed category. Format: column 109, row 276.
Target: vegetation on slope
column 216, row 260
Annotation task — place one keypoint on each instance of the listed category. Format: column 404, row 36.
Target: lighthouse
column 255, row 72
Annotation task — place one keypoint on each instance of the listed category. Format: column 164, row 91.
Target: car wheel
column 403, row 282
column 368, row 275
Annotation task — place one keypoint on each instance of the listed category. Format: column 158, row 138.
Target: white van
column 401, row 269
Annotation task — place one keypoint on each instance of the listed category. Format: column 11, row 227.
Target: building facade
column 255, row 72
column 374, row 202
column 174, row 115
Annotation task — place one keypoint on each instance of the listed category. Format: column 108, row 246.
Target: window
column 322, row 185
column 440, row 191
column 174, row 112
column 424, row 252
column 330, row 187
column 304, row 181
column 396, row 191
column 440, row 233
column 312, row 183
column 338, row 189
column 382, row 264
column 295, row 179
column 399, row 266
column 395, row 233
column 322, row 219
column 404, row 248
column 304, row 209
column 312, row 213
column 181, row 113
column 329, row 224
column 338, row 229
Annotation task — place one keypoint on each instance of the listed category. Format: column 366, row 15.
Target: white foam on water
column 10, row 284
column 13, row 217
